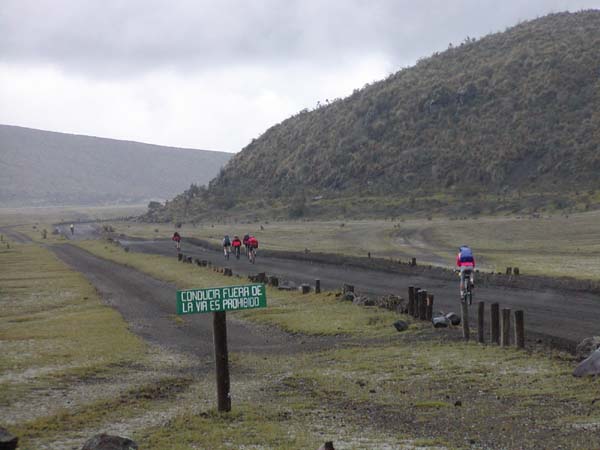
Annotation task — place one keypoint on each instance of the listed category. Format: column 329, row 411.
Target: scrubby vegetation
column 513, row 117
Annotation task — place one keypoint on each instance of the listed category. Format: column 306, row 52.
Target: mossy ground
column 71, row 369
column 552, row 245
column 422, row 387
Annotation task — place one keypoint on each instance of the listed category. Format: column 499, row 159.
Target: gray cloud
column 127, row 37
column 215, row 74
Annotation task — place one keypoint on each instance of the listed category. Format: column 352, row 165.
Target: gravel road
column 559, row 318
column 148, row 306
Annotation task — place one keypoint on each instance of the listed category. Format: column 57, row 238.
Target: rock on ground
column 108, row 442
column 453, row 318
column 7, row 440
column 440, row 322
column 586, row 347
column 401, row 325
column 589, row 366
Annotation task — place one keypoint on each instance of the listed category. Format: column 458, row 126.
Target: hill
column 47, row 168
column 509, row 122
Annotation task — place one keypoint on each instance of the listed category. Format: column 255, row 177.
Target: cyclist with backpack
column 245, row 241
column 465, row 261
column 236, row 244
column 226, row 246
column 252, row 245
column 177, row 238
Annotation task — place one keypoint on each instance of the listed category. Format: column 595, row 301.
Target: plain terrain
column 366, row 386
column 554, row 245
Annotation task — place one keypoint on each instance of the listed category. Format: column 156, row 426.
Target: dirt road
column 559, row 318
column 148, row 306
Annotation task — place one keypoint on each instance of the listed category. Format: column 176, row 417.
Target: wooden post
column 317, row 286
column 480, row 316
column 415, row 313
column 179, row 256
column 505, row 329
column 305, row 288
column 520, row 329
column 495, row 323
column 509, row 271
column 348, row 288
column 274, row 281
column 411, row 300
column 516, row 271
column 464, row 308
column 222, row 361
column 413, row 262
column 423, row 305
column 429, row 314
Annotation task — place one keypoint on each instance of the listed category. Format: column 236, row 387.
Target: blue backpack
column 466, row 254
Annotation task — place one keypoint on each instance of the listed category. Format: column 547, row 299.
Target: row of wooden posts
column 227, row 271
column 420, row 306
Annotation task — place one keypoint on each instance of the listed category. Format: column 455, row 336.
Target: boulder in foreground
column 108, row 442
column 586, row 347
column 589, row 366
column 7, row 440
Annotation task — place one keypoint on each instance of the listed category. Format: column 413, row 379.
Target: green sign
column 228, row 298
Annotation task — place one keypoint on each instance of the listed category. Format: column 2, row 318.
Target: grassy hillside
column 47, row 168
column 508, row 122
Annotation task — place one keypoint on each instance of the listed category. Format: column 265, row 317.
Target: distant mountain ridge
column 49, row 168
column 508, row 122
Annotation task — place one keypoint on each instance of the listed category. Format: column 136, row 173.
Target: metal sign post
column 217, row 301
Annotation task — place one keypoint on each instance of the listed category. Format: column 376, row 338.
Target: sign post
column 222, row 361
column 217, row 301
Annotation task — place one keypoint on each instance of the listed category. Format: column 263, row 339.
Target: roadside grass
column 409, row 394
column 453, row 393
column 417, row 389
column 52, row 316
column 95, row 414
column 556, row 245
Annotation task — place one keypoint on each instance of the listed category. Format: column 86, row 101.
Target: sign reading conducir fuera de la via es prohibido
column 228, row 298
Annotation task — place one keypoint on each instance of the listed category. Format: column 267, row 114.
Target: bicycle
column 237, row 252
column 252, row 255
column 466, row 287
column 226, row 251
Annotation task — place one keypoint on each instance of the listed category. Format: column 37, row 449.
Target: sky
column 216, row 74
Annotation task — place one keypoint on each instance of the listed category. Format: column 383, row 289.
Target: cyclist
column 245, row 241
column 252, row 246
column 465, row 261
column 226, row 246
column 177, row 238
column 72, row 227
column 236, row 244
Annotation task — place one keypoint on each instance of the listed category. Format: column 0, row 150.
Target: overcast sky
column 215, row 74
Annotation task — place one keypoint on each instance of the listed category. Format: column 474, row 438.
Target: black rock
column 108, row 442
column 453, row 318
column 7, row 440
column 401, row 325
